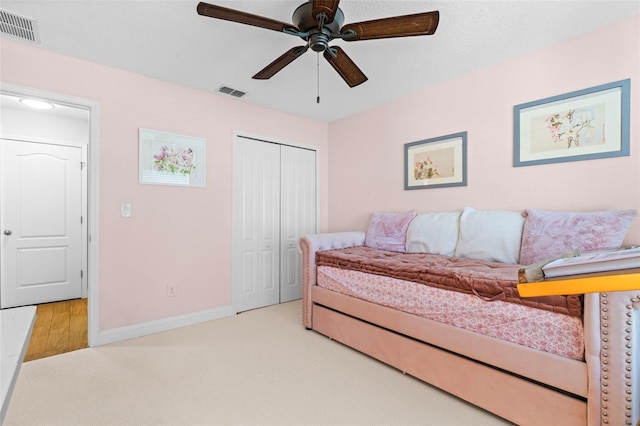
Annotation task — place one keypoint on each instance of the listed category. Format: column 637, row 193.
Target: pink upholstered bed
column 527, row 365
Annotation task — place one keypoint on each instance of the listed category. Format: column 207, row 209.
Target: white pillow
column 490, row 235
column 435, row 233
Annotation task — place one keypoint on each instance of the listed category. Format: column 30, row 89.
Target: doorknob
column 7, row 232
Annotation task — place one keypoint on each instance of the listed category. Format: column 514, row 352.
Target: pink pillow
column 388, row 231
column 548, row 234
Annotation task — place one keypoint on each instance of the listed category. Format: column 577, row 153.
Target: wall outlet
column 172, row 290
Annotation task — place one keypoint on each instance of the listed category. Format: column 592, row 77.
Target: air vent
column 233, row 92
column 18, row 26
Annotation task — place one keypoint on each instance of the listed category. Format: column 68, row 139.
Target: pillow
column 388, row 231
column 547, row 234
column 435, row 233
column 490, row 235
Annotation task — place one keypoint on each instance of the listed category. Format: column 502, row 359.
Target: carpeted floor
column 260, row 367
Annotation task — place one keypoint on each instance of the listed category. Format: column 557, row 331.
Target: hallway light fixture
column 36, row 103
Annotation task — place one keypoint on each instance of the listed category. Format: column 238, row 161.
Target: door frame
column 92, row 190
column 237, row 136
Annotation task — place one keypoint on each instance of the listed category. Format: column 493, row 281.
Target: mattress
column 539, row 329
column 489, row 280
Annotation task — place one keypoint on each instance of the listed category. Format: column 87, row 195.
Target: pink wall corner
column 176, row 235
column 482, row 103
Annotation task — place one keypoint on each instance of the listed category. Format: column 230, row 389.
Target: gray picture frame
column 438, row 162
column 582, row 125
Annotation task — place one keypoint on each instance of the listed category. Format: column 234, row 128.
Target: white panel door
column 297, row 213
column 41, row 223
column 256, row 193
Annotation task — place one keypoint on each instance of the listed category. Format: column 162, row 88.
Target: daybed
column 528, row 377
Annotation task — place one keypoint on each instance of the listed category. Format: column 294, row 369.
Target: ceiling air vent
column 232, row 92
column 18, row 26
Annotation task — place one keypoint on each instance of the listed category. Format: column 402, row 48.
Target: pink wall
column 183, row 235
column 482, row 104
column 176, row 235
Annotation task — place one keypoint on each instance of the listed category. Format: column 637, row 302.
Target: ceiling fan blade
column 219, row 12
column 397, row 26
column 329, row 7
column 284, row 60
column 347, row 69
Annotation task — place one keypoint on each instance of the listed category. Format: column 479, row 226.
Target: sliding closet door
column 256, row 180
column 297, row 215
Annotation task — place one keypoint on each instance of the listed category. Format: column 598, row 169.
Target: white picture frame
column 171, row 159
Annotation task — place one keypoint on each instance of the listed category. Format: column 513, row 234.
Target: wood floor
column 59, row 327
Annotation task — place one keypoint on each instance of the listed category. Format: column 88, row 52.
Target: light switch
column 125, row 210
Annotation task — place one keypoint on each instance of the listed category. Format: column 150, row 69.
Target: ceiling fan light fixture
column 318, row 22
column 319, row 42
column 37, row 103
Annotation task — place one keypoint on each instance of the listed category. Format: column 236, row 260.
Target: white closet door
column 256, row 183
column 297, row 213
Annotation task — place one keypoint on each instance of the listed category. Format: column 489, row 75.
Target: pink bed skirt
column 535, row 328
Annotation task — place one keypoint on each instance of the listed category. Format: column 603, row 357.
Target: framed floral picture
column 170, row 159
column 583, row 125
column 436, row 163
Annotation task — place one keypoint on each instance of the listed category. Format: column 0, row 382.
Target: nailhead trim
column 604, row 348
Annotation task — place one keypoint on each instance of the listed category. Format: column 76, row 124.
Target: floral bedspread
column 535, row 328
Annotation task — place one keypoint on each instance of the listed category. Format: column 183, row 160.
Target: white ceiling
column 168, row 40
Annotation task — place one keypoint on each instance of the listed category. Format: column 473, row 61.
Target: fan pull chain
column 318, row 76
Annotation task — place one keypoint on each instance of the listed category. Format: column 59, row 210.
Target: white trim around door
column 93, row 160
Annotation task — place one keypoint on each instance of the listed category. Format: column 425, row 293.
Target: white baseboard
column 138, row 330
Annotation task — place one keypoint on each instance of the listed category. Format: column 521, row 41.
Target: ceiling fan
column 318, row 22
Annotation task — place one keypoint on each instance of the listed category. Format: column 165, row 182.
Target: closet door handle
column 7, row 232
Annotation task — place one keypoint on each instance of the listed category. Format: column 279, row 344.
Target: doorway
column 72, row 123
column 274, row 204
